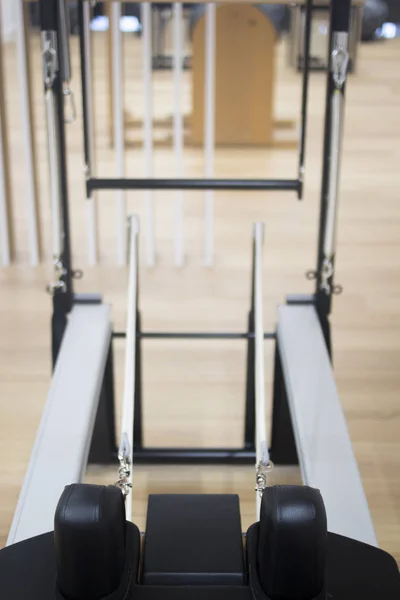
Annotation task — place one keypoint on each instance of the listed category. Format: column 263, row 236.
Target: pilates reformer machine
column 75, row 541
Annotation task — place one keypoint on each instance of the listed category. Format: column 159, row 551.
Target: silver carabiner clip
column 340, row 59
column 68, row 93
column 262, row 472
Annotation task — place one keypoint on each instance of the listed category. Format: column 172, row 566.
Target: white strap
column 262, row 453
column 128, row 413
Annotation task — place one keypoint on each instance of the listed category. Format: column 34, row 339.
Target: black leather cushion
column 89, row 540
column 292, row 543
column 193, row 539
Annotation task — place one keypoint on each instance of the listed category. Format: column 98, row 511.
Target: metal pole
column 62, row 289
column 304, row 99
column 334, row 117
column 262, row 453
column 148, row 130
column 178, row 130
column 209, row 127
column 54, row 172
column 29, row 175
column 88, row 126
column 119, row 138
column 5, row 250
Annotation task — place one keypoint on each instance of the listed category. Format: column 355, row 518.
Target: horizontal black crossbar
column 162, row 335
column 284, row 185
column 194, row 455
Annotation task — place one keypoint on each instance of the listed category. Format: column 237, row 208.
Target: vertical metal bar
column 33, row 224
column 138, row 424
column 54, row 172
column 178, row 130
column 119, row 138
column 148, row 129
column 283, row 445
column 337, row 74
column 209, row 127
column 5, row 249
column 88, row 126
column 65, row 63
column 63, row 296
column 304, row 99
column 250, row 415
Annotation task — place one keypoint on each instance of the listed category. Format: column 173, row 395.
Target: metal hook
column 311, row 275
column 262, row 475
column 77, row 274
column 68, row 93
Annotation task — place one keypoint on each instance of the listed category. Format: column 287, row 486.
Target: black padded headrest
column 89, row 540
column 292, row 543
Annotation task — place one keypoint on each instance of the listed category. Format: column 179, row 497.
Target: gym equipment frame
column 78, row 424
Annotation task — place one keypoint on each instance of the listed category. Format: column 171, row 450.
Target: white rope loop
column 125, row 453
column 263, row 463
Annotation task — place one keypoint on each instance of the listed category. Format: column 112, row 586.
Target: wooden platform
column 194, row 391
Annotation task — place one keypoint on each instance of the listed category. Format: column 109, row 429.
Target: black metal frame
column 283, row 447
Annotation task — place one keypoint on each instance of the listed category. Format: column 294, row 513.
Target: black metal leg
column 58, row 326
column 250, row 416
column 138, row 424
column 103, row 449
column 326, row 329
column 283, row 446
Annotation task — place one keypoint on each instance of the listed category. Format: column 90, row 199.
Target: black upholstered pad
column 354, row 571
column 193, row 540
column 28, row 569
column 89, row 540
column 292, row 542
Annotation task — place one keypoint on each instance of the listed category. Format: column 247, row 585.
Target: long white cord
column 128, row 413
column 262, row 452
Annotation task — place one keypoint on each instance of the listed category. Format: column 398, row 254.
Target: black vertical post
column 283, row 446
column 304, row 95
column 63, row 297
column 339, row 24
column 138, row 420
column 103, row 449
column 84, row 75
column 250, row 411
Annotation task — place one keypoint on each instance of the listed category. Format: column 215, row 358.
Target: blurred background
column 194, row 391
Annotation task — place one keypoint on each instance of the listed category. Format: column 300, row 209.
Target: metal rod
column 65, row 63
column 119, row 139
column 127, row 442
column 148, row 130
column 88, row 126
column 54, row 172
column 5, row 246
column 178, row 130
column 29, row 173
column 194, row 455
column 262, row 453
column 209, row 127
column 304, row 99
column 284, row 185
column 195, row 335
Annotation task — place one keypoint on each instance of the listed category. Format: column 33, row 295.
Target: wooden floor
column 194, row 391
